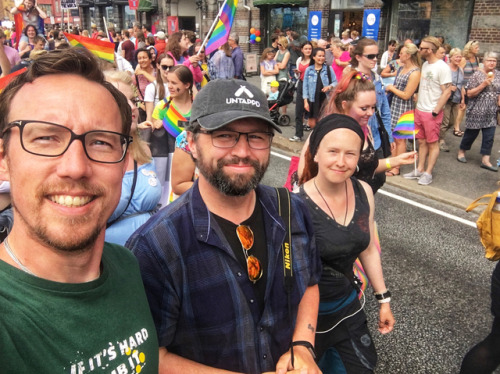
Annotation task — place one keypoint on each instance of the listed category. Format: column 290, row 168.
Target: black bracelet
column 306, row 344
column 382, row 296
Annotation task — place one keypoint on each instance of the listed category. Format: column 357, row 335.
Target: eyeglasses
column 245, row 236
column 371, row 56
column 280, row 45
column 424, row 48
column 229, row 138
column 166, row 67
column 52, row 140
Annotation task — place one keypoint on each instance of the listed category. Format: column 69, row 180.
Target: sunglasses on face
column 371, row 56
column 245, row 236
column 280, row 45
column 166, row 67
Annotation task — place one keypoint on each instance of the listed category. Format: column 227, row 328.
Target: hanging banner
column 314, row 25
column 133, row 4
column 371, row 23
column 172, row 24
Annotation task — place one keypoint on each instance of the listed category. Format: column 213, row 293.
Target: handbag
column 384, row 136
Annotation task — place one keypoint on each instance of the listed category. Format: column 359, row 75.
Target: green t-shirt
column 103, row 326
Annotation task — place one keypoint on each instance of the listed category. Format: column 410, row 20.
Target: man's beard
column 239, row 185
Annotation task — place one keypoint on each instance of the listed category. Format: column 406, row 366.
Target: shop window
column 347, row 4
column 414, row 19
column 293, row 18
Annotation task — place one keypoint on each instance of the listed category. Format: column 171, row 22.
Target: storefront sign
column 133, row 4
column 371, row 22
column 172, row 24
column 251, row 62
column 314, row 26
column 68, row 4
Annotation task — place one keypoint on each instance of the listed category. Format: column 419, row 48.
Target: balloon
column 252, row 31
column 257, row 32
column 252, row 37
column 252, row 41
column 258, row 39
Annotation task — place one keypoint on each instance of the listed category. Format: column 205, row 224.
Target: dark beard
column 235, row 186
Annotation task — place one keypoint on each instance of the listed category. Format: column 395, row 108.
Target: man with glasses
column 68, row 301
column 236, row 55
column 433, row 93
column 212, row 261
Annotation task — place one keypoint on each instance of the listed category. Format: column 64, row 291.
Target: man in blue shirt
column 212, row 261
column 236, row 55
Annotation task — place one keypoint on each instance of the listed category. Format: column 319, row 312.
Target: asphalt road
column 440, row 281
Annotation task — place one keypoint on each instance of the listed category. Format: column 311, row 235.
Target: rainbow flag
column 405, row 127
column 171, row 118
column 221, row 32
column 102, row 49
column 4, row 81
column 19, row 22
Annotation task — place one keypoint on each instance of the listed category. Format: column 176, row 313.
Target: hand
column 306, row 105
column 388, row 88
column 326, row 89
column 18, row 3
column 145, row 125
column 194, row 59
column 489, row 81
column 138, row 70
column 303, row 362
column 462, row 105
column 406, row 158
column 386, row 319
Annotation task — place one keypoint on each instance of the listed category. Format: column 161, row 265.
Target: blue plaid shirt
column 201, row 299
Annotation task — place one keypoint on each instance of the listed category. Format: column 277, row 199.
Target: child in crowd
column 273, row 95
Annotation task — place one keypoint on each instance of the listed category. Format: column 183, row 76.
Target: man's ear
column 192, row 145
column 4, row 165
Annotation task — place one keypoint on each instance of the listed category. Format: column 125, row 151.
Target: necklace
column 346, row 201
column 13, row 256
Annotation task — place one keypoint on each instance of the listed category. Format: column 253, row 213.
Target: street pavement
column 435, row 268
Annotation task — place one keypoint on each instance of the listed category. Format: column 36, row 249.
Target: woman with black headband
column 342, row 209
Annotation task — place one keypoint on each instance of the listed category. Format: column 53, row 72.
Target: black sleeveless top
column 368, row 163
column 338, row 245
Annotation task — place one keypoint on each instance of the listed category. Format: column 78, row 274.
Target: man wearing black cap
column 212, row 261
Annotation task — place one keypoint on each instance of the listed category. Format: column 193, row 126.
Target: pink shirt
column 339, row 69
column 12, row 55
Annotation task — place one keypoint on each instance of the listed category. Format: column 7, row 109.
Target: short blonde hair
column 283, row 41
column 455, row 51
column 434, row 41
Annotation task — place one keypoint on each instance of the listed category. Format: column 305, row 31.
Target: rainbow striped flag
column 4, row 81
column 405, row 127
column 102, row 49
column 221, row 32
column 171, row 118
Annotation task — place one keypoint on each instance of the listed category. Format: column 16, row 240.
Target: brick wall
column 486, row 25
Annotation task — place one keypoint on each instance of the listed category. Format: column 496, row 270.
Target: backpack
column 488, row 225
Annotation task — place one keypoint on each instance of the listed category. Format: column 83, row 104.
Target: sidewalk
column 454, row 183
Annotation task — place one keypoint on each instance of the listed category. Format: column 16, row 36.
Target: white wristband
column 384, row 301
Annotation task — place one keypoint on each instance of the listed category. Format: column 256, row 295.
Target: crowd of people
column 221, row 272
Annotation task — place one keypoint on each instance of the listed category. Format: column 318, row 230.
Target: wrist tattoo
column 310, row 327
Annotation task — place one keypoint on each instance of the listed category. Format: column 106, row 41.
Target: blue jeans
column 487, row 142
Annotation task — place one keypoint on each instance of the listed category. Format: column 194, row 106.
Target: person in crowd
column 203, row 62
column 169, row 119
column 402, row 91
column 184, row 171
column 342, row 210
column 86, row 33
column 146, row 30
column 160, row 43
column 141, row 189
column 177, row 46
column 26, row 45
column 157, row 90
column 483, row 90
column 221, row 64
column 341, row 58
column 268, row 69
column 484, row 357
column 354, row 35
column 236, row 55
column 140, row 40
column 456, row 100
column 434, row 91
column 364, row 60
column 152, row 52
column 302, row 63
column 273, row 95
column 294, row 47
column 58, row 277
column 128, row 49
column 228, row 229
column 274, row 42
column 5, row 66
column 282, row 60
column 319, row 81
column 150, row 41
column 145, row 73
column 346, row 37
column 191, row 37
column 32, row 14
column 10, row 53
column 388, row 55
column 391, row 69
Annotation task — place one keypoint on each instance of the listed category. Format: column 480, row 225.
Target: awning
column 281, row 2
column 145, row 6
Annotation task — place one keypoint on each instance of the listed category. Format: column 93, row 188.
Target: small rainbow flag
column 102, row 49
column 405, row 127
column 221, row 32
column 4, row 81
column 171, row 118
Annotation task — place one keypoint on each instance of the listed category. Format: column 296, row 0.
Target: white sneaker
column 415, row 174
column 295, row 138
column 425, row 179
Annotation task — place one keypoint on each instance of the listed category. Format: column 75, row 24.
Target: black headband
column 333, row 122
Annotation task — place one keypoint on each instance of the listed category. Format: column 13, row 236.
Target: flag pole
column 106, row 26
column 414, row 149
column 211, row 28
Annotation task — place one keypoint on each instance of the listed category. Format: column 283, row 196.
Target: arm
column 305, row 329
column 385, row 114
column 446, row 89
column 192, row 64
column 406, row 158
column 386, row 73
column 139, row 71
column 473, row 92
column 284, row 63
column 183, row 168
column 4, row 62
column 370, row 259
column 410, row 88
column 173, row 364
column 41, row 13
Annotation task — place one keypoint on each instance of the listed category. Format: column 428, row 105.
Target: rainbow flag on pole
column 221, row 32
column 102, row 49
column 405, row 127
